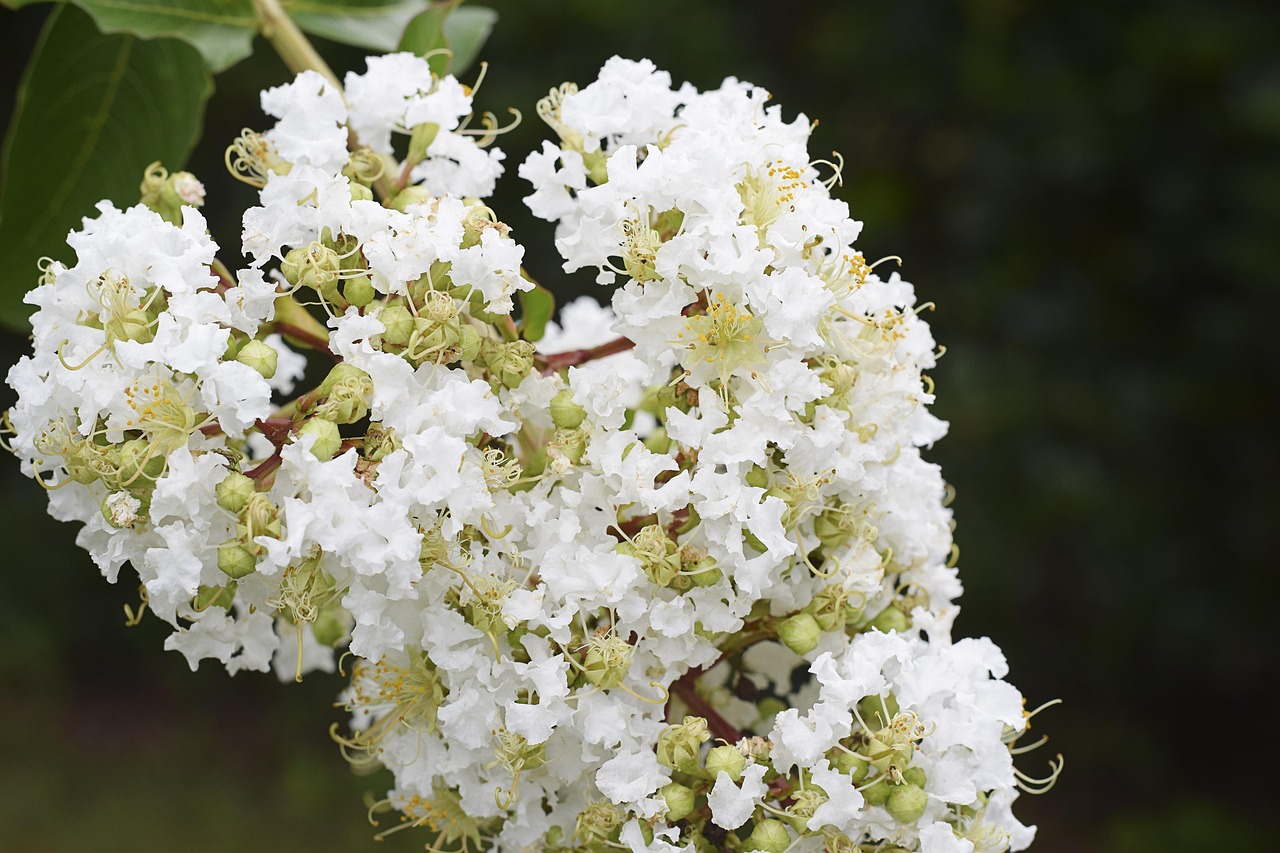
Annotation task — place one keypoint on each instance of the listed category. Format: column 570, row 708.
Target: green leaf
column 92, row 112
column 444, row 25
column 536, row 308
column 222, row 30
column 466, row 31
column 373, row 24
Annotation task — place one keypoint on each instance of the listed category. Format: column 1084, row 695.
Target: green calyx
column 678, row 745
column 328, row 441
column 800, row 633
column 726, row 759
column 768, row 835
column 260, row 356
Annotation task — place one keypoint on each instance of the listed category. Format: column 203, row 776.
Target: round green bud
column 260, row 356
column 399, row 325
column 331, row 626
column 906, row 803
column 914, row 776
column 877, row 794
column 800, row 633
column 328, row 439
column 359, row 291
column 138, row 462
column 680, row 801
column 891, row 619
column 768, row 835
column 853, row 766
column 234, row 560
column 409, row 196
column 565, row 412
column 726, row 759
column 468, row 342
column 234, row 491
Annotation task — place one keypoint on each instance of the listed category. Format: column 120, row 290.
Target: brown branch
column 685, row 690
column 305, row 338
column 561, row 360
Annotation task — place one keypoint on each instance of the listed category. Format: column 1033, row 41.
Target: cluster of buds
column 674, row 576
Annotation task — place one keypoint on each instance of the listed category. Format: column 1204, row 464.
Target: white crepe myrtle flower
column 676, row 568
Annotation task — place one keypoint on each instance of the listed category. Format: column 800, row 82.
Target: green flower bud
column 331, row 626
column 680, row 801
column 678, row 745
column 328, row 440
column 877, row 794
column 234, row 491
column 800, row 633
column 137, row 462
column 410, row 195
column 420, row 140
column 914, row 776
column 399, row 325
column 906, row 803
column 359, row 291
column 891, row 619
column 260, row 356
column 234, row 560
column 607, row 660
column 768, row 835
column 851, row 765
column 565, row 412
column 468, row 343
column 214, row 596
column 873, row 709
column 727, row 759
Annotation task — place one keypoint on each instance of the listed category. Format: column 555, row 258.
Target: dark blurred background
column 1090, row 192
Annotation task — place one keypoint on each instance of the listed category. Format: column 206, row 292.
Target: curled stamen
column 1040, row 786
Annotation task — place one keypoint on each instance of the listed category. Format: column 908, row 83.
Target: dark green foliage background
column 1090, row 191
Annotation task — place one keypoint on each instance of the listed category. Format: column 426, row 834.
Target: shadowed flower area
column 1087, row 191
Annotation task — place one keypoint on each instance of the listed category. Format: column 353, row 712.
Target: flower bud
column 877, row 794
column 678, row 745
column 468, row 342
column 906, row 803
column 359, row 291
column 680, row 801
column 768, row 835
column 327, row 439
column 420, row 140
column 331, row 625
column 234, row 560
column 260, row 356
column 234, row 491
column 800, row 633
column 891, row 619
column 726, row 759
column 853, row 766
column 914, row 776
column 399, row 325
column 565, row 412
column 410, row 195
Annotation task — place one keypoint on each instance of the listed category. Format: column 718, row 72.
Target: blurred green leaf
column 84, row 130
column 445, row 26
column 466, row 31
column 222, row 30
column 373, row 24
column 536, row 308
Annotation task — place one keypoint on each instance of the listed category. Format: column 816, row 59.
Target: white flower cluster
column 561, row 573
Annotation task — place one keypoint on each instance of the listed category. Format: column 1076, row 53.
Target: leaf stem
column 294, row 47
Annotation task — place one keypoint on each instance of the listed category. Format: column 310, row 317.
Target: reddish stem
column 687, row 693
column 561, row 360
column 306, row 338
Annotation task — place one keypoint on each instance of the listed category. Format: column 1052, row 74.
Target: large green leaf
column 373, row 24
column 444, row 25
column 222, row 30
column 536, row 308
column 92, row 112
